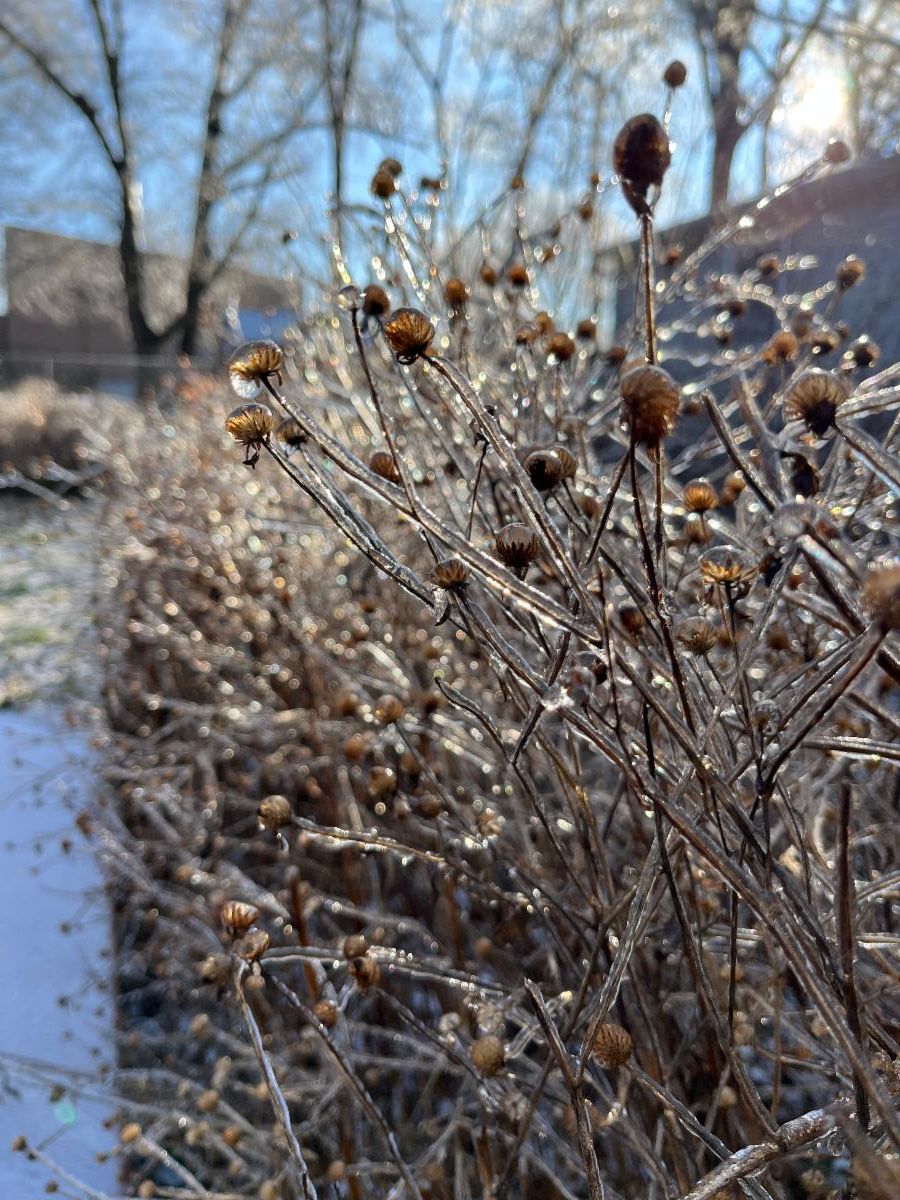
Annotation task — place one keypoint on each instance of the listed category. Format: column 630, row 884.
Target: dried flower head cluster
column 506, row 769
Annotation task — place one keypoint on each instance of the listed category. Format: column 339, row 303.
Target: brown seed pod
column 862, row 352
column 881, row 594
column 517, row 275
column 697, row 635
column 814, row 397
column 641, row 157
column 365, row 972
column 274, row 812
column 804, row 476
column 612, row 1046
column 517, row 546
column 781, row 347
column 251, row 364
column 208, row 1101
column 567, row 460
column 586, row 209
column 768, row 266
column 389, row 709
column 672, row 255
column 375, row 301
column 725, row 565
column 850, row 271
column 560, row 346
column 586, row 330
column 823, row 340
column 383, row 184
column 732, row 487
column 545, row 469
column 455, row 292
column 237, row 916
column 488, row 1055
column 451, row 573
column 633, row 620
column 696, row 531
column 291, row 432
column 675, row 74
column 409, row 333
column 488, row 274
column 650, row 400
column 526, row 335
column 354, row 946
column 250, row 426
column 382, row 463
column 326, row 1013
column 615, row 356
column 700, row 496
column 393, row 166
column 252, row 946
column 836, row 152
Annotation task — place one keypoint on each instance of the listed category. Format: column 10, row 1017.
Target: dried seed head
column 804, row 476
column 568, row 461
column 836, row 152
column 208, row 1101
column 641, row 157
column 517, row 546
column 451, row 573
column 252, row 946
column 326, row 1013
column 814, row 397
column 586, row 330
column 850, row 271
column 237, row 916
column 274, row 812
column 543, row 322
column 250, row 426
column 696, row 530
column 725, row 565
column 517, row 275
column 409, row 333
column 393, row 166
column 355, row 946
column 615, row 356
column 130, row 1133
column 382, row 463
column 881, row 594
column 823, row 340
column 455, row 292
column 700, row 496
column 488, row 1055
column 291, row 432
column 375, row 301
column 560, row 346
column 389, row 709
column 650, row 399
column 545, row 469
column 384, row 184
column 251, row 363
column 781, row 347
column 365, row 972
column 697, row 635
column 862, row 352
column 732, row 487
column 586, row 209
column 612, row 1046
column 633, row 620
column 675, row 74
column 768, row 266
column 488, row 274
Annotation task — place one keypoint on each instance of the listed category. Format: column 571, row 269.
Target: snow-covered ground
column 56, row 1004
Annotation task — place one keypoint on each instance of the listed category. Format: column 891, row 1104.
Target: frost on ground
column 56, row 1012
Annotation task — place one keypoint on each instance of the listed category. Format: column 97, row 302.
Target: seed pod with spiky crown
column 881, row 594
column 252, row 945
column 384, row 184
column 650, row 400
column 517, row 546
column 862, row 352
column 237, row 916
column 375, row 301
column 850, row 271
column 274, row 812
column 725, row 565
column 455, row 292
column 488, row 1055
column 409, row 333
column 697, row 635
column 291, row 432
column 545, row 469
column 382, row 463
column 814, row 397
column 451, row 573
column 560, row 346
column 675, row 74
column 567, row 460
column 250, row 426
column 781, row 347
column 251, row 364
column 700, row 496
column 641, row 157
column 612, row 1046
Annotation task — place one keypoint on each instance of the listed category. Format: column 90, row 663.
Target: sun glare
column 818, row 104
